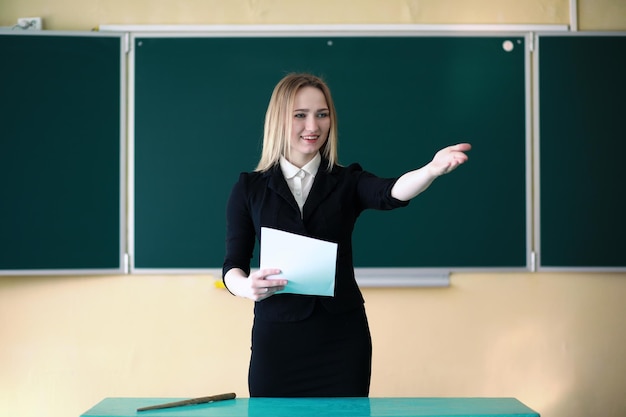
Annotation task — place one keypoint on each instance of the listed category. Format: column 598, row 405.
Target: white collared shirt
column 300, row 180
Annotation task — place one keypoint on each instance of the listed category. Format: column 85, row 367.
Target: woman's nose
column 311, row 123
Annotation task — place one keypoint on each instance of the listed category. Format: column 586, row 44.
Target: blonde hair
column 278, row 120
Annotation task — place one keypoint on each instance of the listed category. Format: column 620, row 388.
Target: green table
column 318, row 407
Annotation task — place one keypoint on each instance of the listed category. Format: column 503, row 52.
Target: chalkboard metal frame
column 72, row 259
column 581, row 262
column 440, row 274
column 352, row 29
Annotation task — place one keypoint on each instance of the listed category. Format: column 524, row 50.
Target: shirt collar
column 290, row 170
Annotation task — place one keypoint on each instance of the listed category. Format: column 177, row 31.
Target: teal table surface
column 309, row 407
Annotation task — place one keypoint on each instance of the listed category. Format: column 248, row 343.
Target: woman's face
column 311, row 124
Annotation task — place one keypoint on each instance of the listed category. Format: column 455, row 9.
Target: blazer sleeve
column 374, row 192
column 240, row 234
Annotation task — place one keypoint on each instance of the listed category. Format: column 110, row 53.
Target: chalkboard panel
column 199, row 104
column 60, row 173
column 582, row 85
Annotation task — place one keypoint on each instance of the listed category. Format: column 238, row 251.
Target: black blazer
column 336, row 200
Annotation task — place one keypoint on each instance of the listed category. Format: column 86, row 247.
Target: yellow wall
column 87, row 14
column 556, row 341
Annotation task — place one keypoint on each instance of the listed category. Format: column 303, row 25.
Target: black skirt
column 324, row 355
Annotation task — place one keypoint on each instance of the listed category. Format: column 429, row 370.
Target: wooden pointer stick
column 192, row 401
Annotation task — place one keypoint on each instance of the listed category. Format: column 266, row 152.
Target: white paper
column 307, row 264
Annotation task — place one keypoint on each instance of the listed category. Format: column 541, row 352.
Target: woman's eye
column 322, row 115
column 299, row 115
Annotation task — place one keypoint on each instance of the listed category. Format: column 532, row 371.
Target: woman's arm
column 240, row 240
column 414, row 182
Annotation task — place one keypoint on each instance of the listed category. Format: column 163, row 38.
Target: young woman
column 310, row 346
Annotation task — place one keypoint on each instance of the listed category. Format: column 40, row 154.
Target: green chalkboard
column 582, row 106
column 199, row 104
column 60, row 152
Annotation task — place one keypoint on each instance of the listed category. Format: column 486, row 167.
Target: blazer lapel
column 323, row 184
column 278, row 184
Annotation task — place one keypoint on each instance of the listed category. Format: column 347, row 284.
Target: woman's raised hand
column 448, row 159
